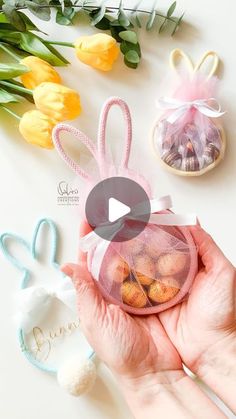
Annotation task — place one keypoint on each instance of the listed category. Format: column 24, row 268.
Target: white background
column 29, row 179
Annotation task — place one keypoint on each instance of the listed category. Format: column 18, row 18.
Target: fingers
column 208, row 250
column 90, row 302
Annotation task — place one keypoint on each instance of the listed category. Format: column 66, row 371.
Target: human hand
column 203, row 327
column 139, row 352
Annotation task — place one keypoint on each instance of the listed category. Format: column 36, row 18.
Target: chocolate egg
column 145, row 265
column 171, row 263
column 211, row 153
column 172, row 158
column 190, row 164
column 117, row 269
column 133, row 294
column 163, row 290
column 143, row 279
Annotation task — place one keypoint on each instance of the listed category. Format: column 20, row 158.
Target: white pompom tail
column 77, row 376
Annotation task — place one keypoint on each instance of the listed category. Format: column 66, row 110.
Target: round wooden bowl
column 197, row 172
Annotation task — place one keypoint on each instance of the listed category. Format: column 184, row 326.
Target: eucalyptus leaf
column 30, row 26
column 171, row 9
column 14, row 17
column 103, row 24
column 129, row 64
column 162, row 25
column 151, row 20
column 132, row 57
column 66, row 17
column 127, row 46
column 122, row 19
column 35, row 46
column 177, row 24
column 6, row 97
column 97, row 17
column 129, row 36
column 137, row 20
column 9, row 71
column 43, row 13
column 115, row 30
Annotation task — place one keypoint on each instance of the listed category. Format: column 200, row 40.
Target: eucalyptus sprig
column 16, row 28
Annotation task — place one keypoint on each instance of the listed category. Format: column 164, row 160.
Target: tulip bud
column 57, row 101
column 99, row 51
column 36, row 128
column 41, row 71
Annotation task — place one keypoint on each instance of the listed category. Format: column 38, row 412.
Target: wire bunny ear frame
column 176, row 56
column 38, row 298
column 99, row 151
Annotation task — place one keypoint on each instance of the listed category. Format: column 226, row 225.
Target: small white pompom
column 77, row 376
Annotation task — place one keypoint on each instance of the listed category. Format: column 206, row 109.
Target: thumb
column 208, row 250
column 91, row 304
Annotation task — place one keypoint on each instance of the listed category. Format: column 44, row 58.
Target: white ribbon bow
column 92, row 240
column 34, row 302
column 209, row 107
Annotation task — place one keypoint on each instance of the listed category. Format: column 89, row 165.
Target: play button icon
column 117, row 209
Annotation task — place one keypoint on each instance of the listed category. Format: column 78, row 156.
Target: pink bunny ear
column 102, row 155
column 81, row 137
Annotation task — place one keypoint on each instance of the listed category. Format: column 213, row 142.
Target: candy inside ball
column 77, row 376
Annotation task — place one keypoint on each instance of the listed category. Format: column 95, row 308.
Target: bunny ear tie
column 34, row 302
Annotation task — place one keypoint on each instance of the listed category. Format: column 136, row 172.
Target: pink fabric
column 158, row 239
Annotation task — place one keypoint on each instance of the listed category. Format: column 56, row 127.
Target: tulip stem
column 10, row 112
column 16, row 87
column 8, row 51
column 63, row 44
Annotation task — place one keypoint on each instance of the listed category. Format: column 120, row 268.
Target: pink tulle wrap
column 161, row 255
column 188, row 136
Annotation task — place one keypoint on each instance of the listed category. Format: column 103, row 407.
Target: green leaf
column 129, row 36
column 35, row 7
column 115, row 30
column 127, row 46
column 122, row 18
column 9, row 71
column 132, row 57
column 98, row 16
column 162, row 25
column 151, row 19
column 23, row 94
column 137, row 20
column 130, row 65
column 66, row 17
column 7, row 26
column 104, row 24
column 171, row 9
column 35, row 46
column 14, row 17
column 30, row 26
column 6, row 97
column 57, row 54
column 12, row 51
column 177, row 24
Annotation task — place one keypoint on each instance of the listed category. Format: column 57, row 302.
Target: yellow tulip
column 57, row 101
column 99, row 51
column 36, row 128
column 40, row 71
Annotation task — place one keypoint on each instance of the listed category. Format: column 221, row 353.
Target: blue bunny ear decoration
column 34, row 302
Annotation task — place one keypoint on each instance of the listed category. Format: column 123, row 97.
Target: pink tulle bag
column 154, row 270
column 188, row 136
